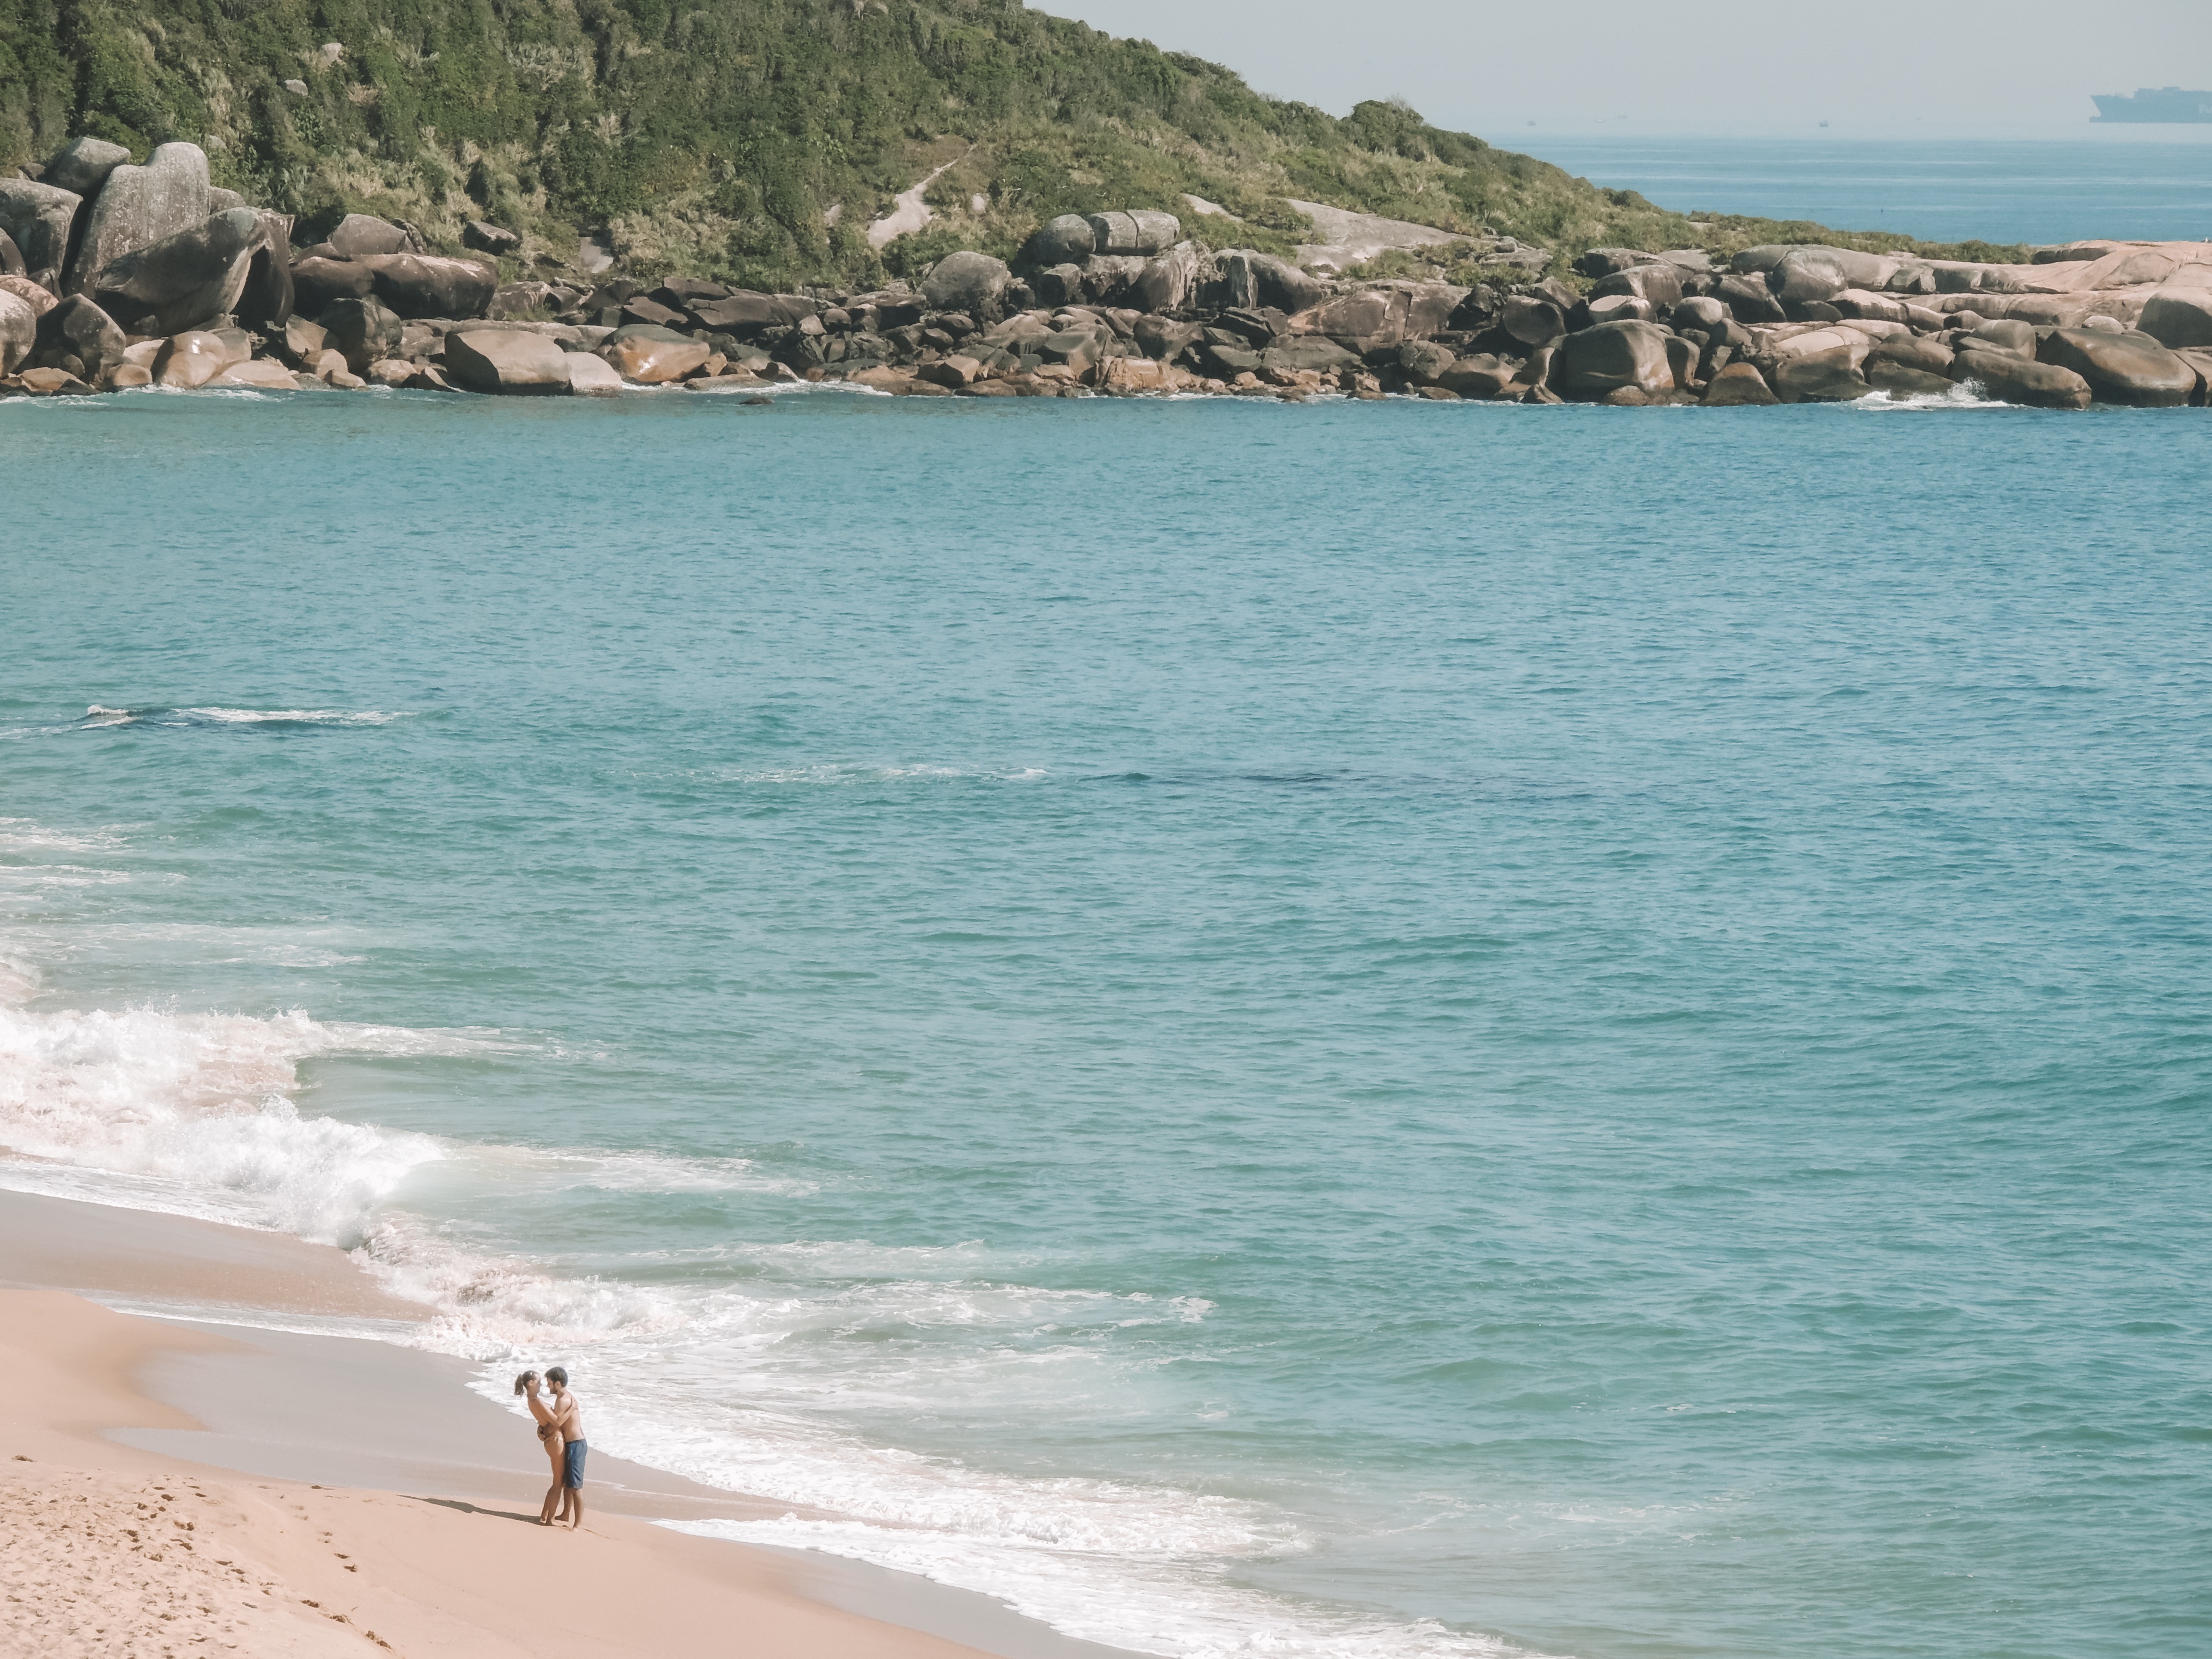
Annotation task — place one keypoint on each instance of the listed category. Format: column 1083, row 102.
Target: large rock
column 191, row 359
column 1621, row 308
column 965, row 282
column 1736, row 385
column 644, row 309
column 52, row 383
column 1913, row 351
column 427, row 285
column 1902, row 380
column 1066, row 240
column 2021, row 380
column 360, row 237
column 1079, row 349
column 1749, row 300
column 1701, row 310
column 19, row 331
column 1805, row 341
column 509, row 360
column 1964, row 277
column 11, row 256
column 1482, row 377
column 1533, row 319
column 1762, row 259
column 1058, row 285
column 1874, row 307
column 37, row 219
column 1816, row 273
column 1110, row 278
column 1143, row 231
column 1316, row 352
column 524, row 298
column 1381, row 316
column 2178, row 317
column 590, row 375
column 1603, row 262
column 261, row 375
column 29, row 293
column 745, row 313
column 1658, row 284
column 1273, row 281
column 79, row 329
column 2005, row 334
column 1819, row 377
column 1165, row 284
column 1422, row 361
column 183, row 280
column 138, row 207
column 362, row 329
column 1363, row 321
column 265, row 301
column 1163, row 339
column 2201, row 361
column 318, row 284
column 1603, row 359
column 83, row 165
column 304, row 341
column 652, row 356
column 490, row 238
column 2121, row 369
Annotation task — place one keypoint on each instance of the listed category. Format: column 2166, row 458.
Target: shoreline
column 127, row 1371
column 211, row 292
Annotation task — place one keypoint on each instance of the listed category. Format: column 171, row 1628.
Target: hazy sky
column 1884, row 68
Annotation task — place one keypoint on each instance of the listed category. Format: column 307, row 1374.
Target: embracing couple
column 561, row 1427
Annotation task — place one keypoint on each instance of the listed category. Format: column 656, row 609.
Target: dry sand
column 183, row 1489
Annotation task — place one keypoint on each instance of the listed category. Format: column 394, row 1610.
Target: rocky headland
column 116, row 276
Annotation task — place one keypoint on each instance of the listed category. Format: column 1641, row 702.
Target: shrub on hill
column 750, row 140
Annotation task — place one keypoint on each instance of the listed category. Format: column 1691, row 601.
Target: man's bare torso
column 567, row 1415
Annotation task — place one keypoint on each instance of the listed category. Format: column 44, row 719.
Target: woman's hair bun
column 522, row 1382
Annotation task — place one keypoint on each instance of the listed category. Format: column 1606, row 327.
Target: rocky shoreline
column 114, row 275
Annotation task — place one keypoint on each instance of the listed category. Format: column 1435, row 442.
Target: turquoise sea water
column 2153, row 183
column 1350, row 1031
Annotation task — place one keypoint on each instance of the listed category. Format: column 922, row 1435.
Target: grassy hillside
column 751, row 140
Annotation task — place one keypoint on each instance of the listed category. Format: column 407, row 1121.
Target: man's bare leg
column 556, row 1495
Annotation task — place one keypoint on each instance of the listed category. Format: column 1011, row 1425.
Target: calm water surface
column 1356, row 1030
column 2153, row 183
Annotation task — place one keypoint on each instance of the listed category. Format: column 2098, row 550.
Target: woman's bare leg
column 555, row 1494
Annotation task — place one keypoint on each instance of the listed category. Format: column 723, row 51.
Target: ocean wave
column 1966, row 394
column 489, row 1307
column 201, row 1104
column 99, row 715
column 1147, row 1601
column 563, row 1170
column 22, row 834
column 861, row 772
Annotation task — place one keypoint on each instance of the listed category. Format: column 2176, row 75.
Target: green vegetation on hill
column 754, row 140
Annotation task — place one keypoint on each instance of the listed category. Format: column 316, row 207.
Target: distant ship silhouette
column 2153, row 104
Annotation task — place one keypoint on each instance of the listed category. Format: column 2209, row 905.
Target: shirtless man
column 562, row 1416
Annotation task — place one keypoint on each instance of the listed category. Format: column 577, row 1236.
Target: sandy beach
column 172, row 1487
